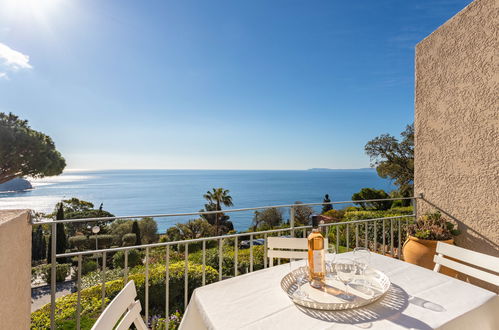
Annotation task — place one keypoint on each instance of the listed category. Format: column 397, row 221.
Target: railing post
column 146, row 303
column 167, row 282
column 236, row 251
column 292, row 220
column 220, row 259
column 415, row 206
column 53, row 265
column 251, row 252
column 204, row 263
column 186, row 276
column 78, row 299
column 103, row 277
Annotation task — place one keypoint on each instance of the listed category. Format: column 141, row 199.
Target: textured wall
column 15, row 269
column 457, row 123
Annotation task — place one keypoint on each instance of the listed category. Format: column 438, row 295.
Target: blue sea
column 141, row 192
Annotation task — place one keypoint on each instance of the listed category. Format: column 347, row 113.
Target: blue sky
column 213, row 84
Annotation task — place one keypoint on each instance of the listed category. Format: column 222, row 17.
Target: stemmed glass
column 345, row 269
column 299, row 274
column 329, row 260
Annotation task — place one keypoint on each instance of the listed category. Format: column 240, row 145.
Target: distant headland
column 16, row 184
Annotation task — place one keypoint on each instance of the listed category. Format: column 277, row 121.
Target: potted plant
column 423, row 236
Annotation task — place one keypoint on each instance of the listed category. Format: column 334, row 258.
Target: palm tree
column 218, row 197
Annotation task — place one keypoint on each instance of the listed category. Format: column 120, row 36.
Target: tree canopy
column 216, row 198
column 267, row 218
column 26, row 152
column 394, row 159
column 370, row 193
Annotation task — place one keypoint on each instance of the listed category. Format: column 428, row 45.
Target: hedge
column 91, row 298
column 243, row 261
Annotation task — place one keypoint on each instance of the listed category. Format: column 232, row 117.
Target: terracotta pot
column 421, row 252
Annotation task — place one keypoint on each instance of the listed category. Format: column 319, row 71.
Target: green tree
column 370, row 193
column 38, row 244
column 61, row 239
column 302, row 214
column 26, row 152
column 75, row 208
column 267, row 218
column 148, row 230
column 326, row 207
column 216, row 198
column 192, row 229
column 394, row 159
column 136, row 231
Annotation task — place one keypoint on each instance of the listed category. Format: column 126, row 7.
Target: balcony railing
column 350, row 230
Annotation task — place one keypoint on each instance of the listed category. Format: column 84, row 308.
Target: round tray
column 362, row 290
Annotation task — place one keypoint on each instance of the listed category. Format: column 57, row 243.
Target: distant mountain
column 321, row 169
column 17, row 184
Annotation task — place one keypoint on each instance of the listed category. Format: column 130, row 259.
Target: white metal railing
column 293, row 231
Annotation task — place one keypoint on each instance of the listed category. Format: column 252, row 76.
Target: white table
column 419, row 298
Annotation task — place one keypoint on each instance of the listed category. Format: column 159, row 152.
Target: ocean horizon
column 143, row 192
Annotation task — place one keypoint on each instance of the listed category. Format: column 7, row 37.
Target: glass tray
column 361, row 291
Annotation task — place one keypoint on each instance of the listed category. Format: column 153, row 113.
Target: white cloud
column 3, row 75
column 12, row 59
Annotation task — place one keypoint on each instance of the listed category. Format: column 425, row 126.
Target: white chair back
column 476, row 259
column 289, row 248
column 123, row 308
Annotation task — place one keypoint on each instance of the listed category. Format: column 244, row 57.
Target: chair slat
column 465, row 269
column 468, row 256
column 287, row 254
column 116, row 308
column 287, row 243
column 132, row 316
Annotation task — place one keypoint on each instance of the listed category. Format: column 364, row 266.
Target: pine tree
column 61, row 243
column 36, row 244
column 136, row 231
column 326, row 207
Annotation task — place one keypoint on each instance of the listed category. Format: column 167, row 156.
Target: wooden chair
column 469, row 257
column 289, row 248
column 123, row 308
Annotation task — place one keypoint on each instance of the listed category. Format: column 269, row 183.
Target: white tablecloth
column 418, row 298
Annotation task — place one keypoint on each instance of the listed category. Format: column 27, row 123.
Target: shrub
column 79, row 242
column 65, row 309
column 334, row 215
column 45, row 271
column 89, row 266
column 129, row 239
column 105, row 241
column 95, row 278
column 134, row 259
column 243, row 262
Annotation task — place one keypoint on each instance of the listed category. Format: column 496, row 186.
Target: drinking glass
column 329, row 260
column 299, row 274
column 345, row 270
column 362, row 258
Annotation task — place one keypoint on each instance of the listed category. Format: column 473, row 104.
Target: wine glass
column 329, row 260
column 345, row 269
column 300, row 274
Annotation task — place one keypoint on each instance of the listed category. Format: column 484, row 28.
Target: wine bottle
column 316, row 255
